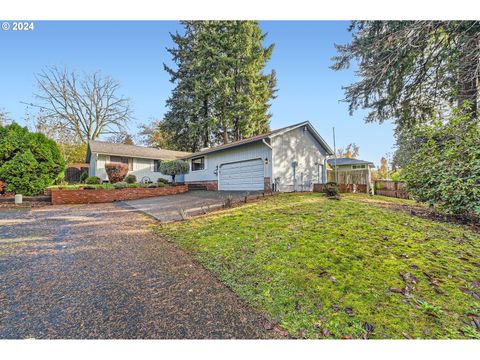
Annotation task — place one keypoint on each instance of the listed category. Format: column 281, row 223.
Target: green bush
column 29, row 162
column 162, row 181
column 331, row 189
column 444, row 169
column 396, row 176
column 160, row 184
column 120, row 185
column 93, row 180
column 83, row 177
column 173, row 168
column 131, row 179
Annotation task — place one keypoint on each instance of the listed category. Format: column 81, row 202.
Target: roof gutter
column 268, row 145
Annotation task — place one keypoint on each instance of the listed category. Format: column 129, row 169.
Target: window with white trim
column 198, row 163
column 123, row 159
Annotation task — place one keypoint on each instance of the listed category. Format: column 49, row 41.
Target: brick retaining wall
column 211, row 185
column 91, row 196
column 267, row 185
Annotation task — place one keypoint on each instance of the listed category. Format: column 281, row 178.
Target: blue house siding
column 214, row 161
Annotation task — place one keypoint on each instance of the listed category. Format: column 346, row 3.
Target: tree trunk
column 205, row 116
column 468, row 80
column 225, row 134
column 236, row 129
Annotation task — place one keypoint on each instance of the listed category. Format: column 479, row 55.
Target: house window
column 123, row 159
column 156, row 165
column 198, row 163
column 358, row 166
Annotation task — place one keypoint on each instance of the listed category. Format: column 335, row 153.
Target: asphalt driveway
column 167, row 208
column 98, row 271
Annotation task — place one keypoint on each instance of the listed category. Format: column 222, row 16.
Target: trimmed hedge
column 29, row 162
column 131, row 179
column 173, row 168
column 93, row 180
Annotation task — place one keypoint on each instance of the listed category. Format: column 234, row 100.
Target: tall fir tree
column 409, row 71
column 221, row 92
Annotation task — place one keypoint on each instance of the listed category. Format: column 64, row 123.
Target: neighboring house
column 351, row 171
column 287, row 159
column 142, row 162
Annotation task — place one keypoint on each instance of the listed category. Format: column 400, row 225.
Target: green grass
column 309, row 262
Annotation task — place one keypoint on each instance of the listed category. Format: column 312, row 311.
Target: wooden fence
column 348, row 176
column 391, row 188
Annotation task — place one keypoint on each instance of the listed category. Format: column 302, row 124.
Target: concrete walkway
column 167, row 208
column 99, row 271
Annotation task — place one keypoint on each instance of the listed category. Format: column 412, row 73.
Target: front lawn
column 348, row 268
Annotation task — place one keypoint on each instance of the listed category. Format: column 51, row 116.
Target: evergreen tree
column 221, row 92
column 411, row 70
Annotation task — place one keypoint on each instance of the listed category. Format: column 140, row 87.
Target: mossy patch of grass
column 347, row 268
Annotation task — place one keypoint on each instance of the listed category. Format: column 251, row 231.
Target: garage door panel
column 241, row 175
column 244, row 175
column 248, row 168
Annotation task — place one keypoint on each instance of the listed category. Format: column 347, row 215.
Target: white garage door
column 242, row 175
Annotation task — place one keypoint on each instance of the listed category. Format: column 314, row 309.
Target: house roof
column 264, row 136
column 106, row 148
column 348, row 161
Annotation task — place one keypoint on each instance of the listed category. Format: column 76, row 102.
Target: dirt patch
column 425, row 212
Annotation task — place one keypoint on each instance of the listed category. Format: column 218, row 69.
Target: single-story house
column 351, row 171
column 287, row 159
column 142, row 162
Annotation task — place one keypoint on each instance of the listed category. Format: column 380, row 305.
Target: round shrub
column 120, row 185
column 29, row 162
column 93, row 180
column 116, row 172
column 331, row 189
column 173, row 168
column 162, row 181
column 131, row 179
column 160, row 184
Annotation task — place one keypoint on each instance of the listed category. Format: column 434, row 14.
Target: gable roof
column 264, row 136
column 106, row 148
column 348, row 161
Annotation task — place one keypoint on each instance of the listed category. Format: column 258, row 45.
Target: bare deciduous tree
column 88, row 106
column 122, row 138
column 350, row 151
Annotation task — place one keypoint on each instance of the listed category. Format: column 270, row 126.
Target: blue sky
column 134, row 52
